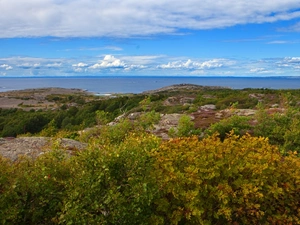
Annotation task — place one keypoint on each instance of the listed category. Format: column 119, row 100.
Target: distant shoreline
column 34, row 98
column 103, row 85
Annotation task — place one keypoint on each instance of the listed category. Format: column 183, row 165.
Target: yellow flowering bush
column 143, row 180
column 242, row 180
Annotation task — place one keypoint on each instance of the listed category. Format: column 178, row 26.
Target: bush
column 185, row 128
column 147, row 120
column 112, row 184
column 238, row 124
column 135, row 178
column 241, row 180
column 282, row 129
column 34, row 189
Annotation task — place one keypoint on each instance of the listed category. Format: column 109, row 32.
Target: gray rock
column 275, row 106
column 245, row 112
column 208, row 107
column 12, row 148
column 134, row 116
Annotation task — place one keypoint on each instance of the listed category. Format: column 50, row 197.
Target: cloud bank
column 129, row 18
column 149, row 65
column 196, row 65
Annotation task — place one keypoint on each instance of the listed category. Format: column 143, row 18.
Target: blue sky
column 133, row 37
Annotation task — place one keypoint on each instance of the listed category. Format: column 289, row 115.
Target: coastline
column 35, row 98
column 121, row 85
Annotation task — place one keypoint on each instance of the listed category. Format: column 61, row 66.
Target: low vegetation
column 240, row 169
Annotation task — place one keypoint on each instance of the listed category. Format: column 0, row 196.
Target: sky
column 149, row 38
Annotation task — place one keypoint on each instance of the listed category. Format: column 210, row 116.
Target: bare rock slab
column 12, row 148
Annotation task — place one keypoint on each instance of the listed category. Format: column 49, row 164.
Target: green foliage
column 34, row 189
column 292, row 136
column 282, row 129
column 116, row 133
column 59, row 98
column 32, row 122
column 76, row 112
column 223, row 98
column 102, row 117
column 128, row 176
column 141, row 180
column 50, row 130
column 145, row 103
column 107, row 134
column 241, row 180
column 244, row 102
column 14, row 122
column 112, row 184
column 147, row 120
column 185, row 128
column 202, row 100
column 238, row 124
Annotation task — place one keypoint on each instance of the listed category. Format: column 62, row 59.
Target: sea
column 134, row 84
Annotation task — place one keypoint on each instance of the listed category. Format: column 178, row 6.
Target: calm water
column 104, row 85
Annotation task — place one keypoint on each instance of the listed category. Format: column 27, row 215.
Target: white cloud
column 109, row 61
column 81, row 64
column 292, row 60
column 255, row 70
column 196, row 65
column 6, row 67
column 142, row 59
column 135, row 67
column 289, row 62
column 262, row 71
column 126, row 18
column 130, row 63
column 79, row 70
column 274, row 66
column 34, row 66
column 28, row 65
column 150, row 65
column 80, row 67
column 54, row 65
column 215, row 63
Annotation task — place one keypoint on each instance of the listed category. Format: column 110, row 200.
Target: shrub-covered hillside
column 76, row 111
column 180, row 155
column 129, row 176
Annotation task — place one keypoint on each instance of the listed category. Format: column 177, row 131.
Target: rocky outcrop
column 12, row 148
column 167, row 121
column 178, row 101
column 177, row 87
column 35, row 98
column 207, row 107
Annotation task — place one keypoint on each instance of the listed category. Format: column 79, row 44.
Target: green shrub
column 238, row 124
column 141, row 180
column 240, row 180
column 112, row 184
column 282, row 129
column 35, row 189
column 147, row 120
column 185, row 128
